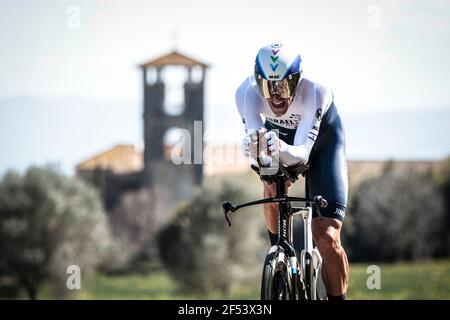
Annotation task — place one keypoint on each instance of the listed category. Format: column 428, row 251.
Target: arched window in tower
column 174, row 78
column 152, row 76
column 197, row 74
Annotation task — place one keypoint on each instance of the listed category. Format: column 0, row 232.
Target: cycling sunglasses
column 284, row 88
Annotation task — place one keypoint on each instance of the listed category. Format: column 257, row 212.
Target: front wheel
column 312, row 273
column 276, row 279
column 310, row 277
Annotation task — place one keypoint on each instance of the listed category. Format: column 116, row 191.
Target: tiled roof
column 119, row 159
column 174, row 58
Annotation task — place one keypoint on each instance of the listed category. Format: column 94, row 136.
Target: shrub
column 202, row 252
column 48, row 222
column 396, row 217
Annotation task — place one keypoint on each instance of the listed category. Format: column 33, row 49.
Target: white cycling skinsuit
column 302, row 118
column 310, row 132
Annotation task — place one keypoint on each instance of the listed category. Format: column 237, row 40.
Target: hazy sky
column 377, row 56
column 399, row 62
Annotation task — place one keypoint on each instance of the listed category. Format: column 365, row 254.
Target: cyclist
column 297, row 120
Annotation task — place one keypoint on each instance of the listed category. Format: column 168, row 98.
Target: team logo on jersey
column 276, row 45
column 290, row 123
column 296, row 117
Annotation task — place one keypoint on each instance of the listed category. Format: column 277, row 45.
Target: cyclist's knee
column 328, row 244
column 327, row 236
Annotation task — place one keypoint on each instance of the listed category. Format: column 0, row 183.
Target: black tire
column 276, row 284
column 279, row 287
column 267, row 275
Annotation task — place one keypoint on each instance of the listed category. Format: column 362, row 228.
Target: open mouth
column 278, row 104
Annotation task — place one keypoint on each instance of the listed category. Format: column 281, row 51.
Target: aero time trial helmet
column 277, row 71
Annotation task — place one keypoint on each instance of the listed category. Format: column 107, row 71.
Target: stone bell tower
column 173, row 110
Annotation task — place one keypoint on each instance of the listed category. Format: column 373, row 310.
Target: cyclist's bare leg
column 327, row 235
column 271, row 209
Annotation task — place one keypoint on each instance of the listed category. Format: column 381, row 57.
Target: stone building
column 173, row 109
column 173, row 88
column 114, row 172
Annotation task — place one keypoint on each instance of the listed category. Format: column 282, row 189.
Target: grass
column 154, row 286
column 424, row 280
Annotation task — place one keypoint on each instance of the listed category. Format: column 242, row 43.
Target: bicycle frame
column 285, row 228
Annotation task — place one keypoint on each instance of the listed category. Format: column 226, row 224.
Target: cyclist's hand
column 273, row 142
column 264, row 152
column 250, row 144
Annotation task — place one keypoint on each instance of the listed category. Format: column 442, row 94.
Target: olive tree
column 396, row 217
column 135, row 222
column 202, row 252
column 441, row 174
column 48, row 222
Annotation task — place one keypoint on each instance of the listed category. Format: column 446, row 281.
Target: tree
column 135, row 222
column 202, row 252
column 48, row 222
column 441, row 174
column 396, row 217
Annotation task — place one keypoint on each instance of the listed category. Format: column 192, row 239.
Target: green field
column 424, row 280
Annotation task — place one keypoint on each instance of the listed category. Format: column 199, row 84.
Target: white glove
column 250, row 144
column 273, row 142
column 288, row 154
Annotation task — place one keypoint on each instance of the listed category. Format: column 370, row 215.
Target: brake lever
column 227, row 207
column 321, row 201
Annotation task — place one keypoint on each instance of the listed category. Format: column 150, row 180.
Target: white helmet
column 277, row 71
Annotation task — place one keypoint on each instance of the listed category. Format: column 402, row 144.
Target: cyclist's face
column 279, row 105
